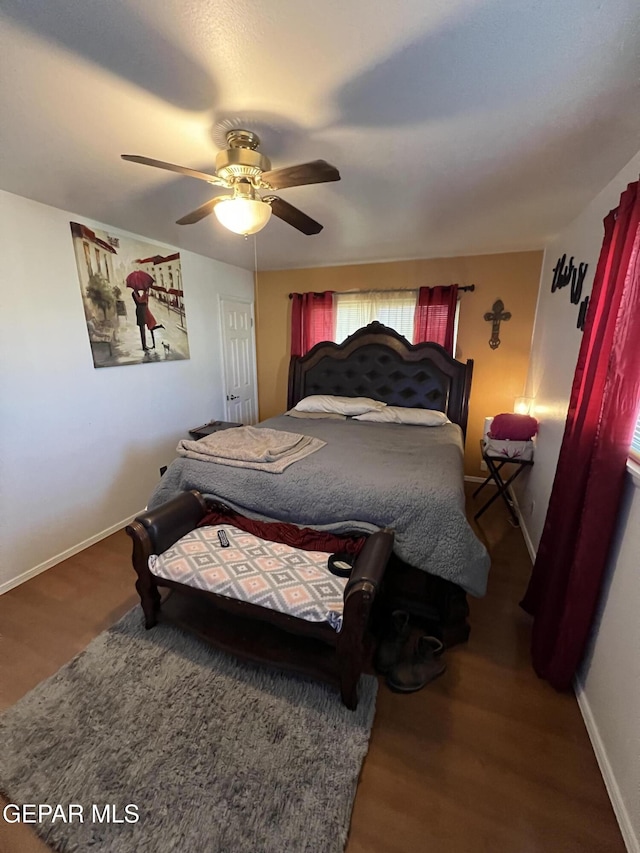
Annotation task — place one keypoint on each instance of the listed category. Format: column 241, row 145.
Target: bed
column 370, row 475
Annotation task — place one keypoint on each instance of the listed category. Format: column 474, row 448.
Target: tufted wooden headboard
column 378, row 362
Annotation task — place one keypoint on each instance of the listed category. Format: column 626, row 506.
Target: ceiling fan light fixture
column 243, row 169
column 243, row 215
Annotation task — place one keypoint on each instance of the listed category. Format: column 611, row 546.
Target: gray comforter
column 368, row 476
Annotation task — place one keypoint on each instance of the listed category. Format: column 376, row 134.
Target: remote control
column 224, row 539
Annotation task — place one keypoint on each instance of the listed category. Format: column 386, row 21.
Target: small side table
column 211, row 427
column 495, row 464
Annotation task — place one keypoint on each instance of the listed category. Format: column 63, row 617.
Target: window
column 635, row 443
column 394, row 308
column 87, row 257
column 427, row 314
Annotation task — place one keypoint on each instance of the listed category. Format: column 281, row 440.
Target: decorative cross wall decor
column 496, row 316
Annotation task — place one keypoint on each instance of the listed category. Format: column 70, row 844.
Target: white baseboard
column 523, row 527
column 525, row 532
column 471, row 479
column 527, row 538
column 70, row 552
column 629, row 836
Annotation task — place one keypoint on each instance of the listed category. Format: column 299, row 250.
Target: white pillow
column 339, row 405
column 404, row 415
column 330, row 415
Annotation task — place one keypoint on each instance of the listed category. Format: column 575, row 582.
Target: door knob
column 233, row 397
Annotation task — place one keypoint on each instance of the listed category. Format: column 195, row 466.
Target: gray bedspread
column 369, row 475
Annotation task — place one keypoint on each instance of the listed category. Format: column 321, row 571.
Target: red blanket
column 289, row 534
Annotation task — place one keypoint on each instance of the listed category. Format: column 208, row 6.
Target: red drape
column 312, row 320
column 572, row 558
column 435, row 316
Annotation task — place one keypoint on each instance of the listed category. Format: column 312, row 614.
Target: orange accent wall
column 499, row 375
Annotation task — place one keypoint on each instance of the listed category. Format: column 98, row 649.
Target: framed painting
column 132, row 296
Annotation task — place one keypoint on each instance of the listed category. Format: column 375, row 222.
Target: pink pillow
column 513, row 427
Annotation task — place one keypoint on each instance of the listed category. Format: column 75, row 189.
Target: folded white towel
column 265, row 449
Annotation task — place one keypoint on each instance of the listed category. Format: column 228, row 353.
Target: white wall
column 609, row 684
column 80, row 447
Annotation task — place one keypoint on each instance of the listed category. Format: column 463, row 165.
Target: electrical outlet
column 483, row 466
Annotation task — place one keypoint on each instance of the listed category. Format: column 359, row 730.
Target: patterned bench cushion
column 270, row 574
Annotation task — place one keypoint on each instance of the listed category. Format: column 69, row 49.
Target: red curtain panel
column 312, row 320
column 435, row 316
column 572, row 558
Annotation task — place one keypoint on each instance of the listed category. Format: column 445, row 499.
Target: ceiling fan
column 245, row 171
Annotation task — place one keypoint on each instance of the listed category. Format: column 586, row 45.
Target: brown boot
column 423, row 665
column 390, row 647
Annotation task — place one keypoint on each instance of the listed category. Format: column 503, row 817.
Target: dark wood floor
column 486, row 758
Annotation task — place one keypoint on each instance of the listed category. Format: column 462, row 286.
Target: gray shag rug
column 217, row 756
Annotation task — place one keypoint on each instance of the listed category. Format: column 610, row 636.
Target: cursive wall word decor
column 582, row 313
column 568, row 275
column 496, row 316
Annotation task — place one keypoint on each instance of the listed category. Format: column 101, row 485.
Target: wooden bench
column 254, row 632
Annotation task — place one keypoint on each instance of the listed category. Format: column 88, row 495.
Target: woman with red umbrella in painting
column 140, row 282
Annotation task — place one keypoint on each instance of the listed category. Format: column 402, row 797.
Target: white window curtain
column 394, row 308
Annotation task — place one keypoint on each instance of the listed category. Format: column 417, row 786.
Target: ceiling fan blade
column 204, row 210
column 171, row 167
column 292, row 216
column 316, row 172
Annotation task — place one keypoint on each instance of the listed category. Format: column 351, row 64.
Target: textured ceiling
column 459, row 126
